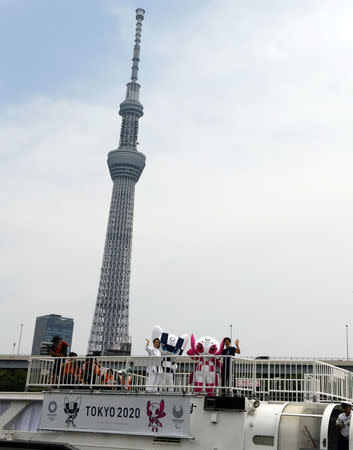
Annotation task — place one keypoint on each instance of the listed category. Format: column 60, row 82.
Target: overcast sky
column 243, row 214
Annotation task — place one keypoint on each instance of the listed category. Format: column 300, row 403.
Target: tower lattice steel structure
column 111, row 317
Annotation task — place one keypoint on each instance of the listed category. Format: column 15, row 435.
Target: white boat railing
column 284, row 380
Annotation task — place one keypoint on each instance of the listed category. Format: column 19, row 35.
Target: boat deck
column 264, row 379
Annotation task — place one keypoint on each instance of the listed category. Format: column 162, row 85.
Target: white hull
column 271, row 425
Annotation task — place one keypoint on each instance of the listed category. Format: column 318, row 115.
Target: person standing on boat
column 92, row 369
column 227, row 352
column 343, row 423
column 153, row 371
column 58, row 349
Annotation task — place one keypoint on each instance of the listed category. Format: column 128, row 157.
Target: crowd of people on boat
column 211, row 365
column 72, row 371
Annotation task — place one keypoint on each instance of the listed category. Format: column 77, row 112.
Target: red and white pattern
column 205, row 375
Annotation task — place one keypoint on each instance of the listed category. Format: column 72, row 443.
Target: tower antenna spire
column 136, row 56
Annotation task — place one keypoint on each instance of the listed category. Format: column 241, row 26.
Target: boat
column 284, row 404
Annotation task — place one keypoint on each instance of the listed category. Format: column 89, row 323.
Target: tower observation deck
column 110, row 324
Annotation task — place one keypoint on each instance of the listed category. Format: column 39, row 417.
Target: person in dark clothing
column 92, row 368
column 342, row 423
column 227, row 352
column 58, row 349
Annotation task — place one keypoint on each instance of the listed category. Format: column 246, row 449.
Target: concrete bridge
column 14, row 361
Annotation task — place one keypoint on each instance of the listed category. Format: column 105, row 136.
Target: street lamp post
column 347, row 341
column 231, row 332
column 19, row 340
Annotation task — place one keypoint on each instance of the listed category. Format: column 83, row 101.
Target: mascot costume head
column 205, row 345
column 170, row 343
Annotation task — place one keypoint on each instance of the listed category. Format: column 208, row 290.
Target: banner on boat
column 156, row 415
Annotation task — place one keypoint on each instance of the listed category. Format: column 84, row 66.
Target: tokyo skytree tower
column 111, row 317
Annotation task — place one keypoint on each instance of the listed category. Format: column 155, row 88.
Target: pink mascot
column 207, row 368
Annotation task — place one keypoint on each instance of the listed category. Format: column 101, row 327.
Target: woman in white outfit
column 153, row 371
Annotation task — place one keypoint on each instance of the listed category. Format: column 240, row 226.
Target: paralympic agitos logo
column 178, row 413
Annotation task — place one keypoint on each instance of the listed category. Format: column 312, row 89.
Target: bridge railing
column 285, row 380
column 302, row 380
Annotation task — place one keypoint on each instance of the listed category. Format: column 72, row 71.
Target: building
column 45, row 348
column 110, row 327
column 49, row 326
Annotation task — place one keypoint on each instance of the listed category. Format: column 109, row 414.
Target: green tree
column 12, row 379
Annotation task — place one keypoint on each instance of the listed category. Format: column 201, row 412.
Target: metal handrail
column 291, row 379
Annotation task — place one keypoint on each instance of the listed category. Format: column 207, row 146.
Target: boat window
column 263, row 440
column 4, row 406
